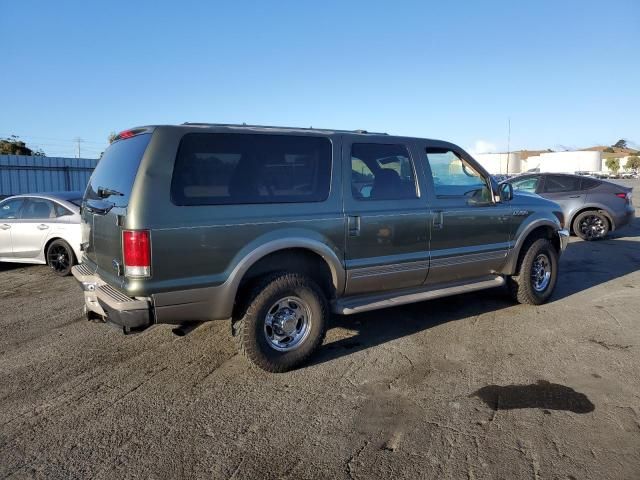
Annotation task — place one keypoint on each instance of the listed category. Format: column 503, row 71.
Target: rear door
column 107, row 198
column 566, row 191
column 9, row 213
column 387, row 216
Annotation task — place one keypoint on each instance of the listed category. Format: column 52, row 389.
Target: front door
column 9, row 213
column 28, row 234
column 470, row 230
column 387, row 224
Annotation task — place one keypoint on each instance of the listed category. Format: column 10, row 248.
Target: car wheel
column 60, row 257
column 537, row 274
column 284, row 322
column 591, row 225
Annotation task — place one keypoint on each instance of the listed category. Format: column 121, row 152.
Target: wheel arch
column 538, row 229
column 597, row 208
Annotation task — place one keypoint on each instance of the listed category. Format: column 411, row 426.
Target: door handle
column 354, row 225
column 438, row 220
column 42, row 226
column 575, row 196
column 4, row 226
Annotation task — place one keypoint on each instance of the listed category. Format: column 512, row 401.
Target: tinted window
column 588, row 183
column 529, row 184
column 10, row 208
column 228, row 168
column 453, row 176
column 117, row 169
column 561, row 183
column 38, row 209
column 381, row 172
column 61, row 211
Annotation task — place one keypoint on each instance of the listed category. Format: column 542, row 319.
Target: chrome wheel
column 541, row 273
column 58, row 258
column 287, row 324
column 592, row 226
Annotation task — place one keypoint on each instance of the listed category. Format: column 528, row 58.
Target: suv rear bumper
column 132, row 314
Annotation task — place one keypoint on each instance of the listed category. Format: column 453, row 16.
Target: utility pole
column 78, row 140
column 508, row 144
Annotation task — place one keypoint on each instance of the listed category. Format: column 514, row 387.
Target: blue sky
column 566, row 72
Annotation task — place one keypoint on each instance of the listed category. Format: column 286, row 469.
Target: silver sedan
column 41, row 228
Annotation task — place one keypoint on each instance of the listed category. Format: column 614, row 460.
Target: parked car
column 592, row 207
column 273, row 228
column 41, row 228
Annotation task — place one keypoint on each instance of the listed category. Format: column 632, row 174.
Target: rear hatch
column 107, row 198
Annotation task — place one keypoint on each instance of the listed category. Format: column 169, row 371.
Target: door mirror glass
column 506, row 192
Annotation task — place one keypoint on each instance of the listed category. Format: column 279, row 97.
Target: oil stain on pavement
column 543, row 394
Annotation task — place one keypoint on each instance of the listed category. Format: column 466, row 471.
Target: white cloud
column 483, row 146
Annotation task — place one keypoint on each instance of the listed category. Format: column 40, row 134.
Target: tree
column 613, row 164
column 112, row 137
column 609, row 150
column 12, row 145
column 633, row 163
column 622, row 143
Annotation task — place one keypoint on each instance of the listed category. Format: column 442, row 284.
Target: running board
column 364, row 303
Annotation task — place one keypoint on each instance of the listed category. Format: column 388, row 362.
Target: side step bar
column 364, row 303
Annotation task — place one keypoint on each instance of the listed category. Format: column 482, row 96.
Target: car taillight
column 621, row 195
column 136, row 252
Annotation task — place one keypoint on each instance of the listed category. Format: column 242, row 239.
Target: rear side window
column 589, row 183
column 561, row 183
column 232, row 168
column 38, row 209
column 381, row 172
column 117, row 169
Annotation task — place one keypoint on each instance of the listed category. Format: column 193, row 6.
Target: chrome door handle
column 42, row 226
column 4, row 226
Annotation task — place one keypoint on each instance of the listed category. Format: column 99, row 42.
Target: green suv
column 274, row 228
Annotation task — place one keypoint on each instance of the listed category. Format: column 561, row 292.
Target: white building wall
column 496, row 163
column 570, row 162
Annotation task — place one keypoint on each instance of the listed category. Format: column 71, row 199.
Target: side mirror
column 506, row 192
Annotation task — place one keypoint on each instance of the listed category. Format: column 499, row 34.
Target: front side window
column 10, row 209
column 561, row 183
column 526, row 184
column 382, row 172
column 455, row 177
column 38, row 209
column 231, row 168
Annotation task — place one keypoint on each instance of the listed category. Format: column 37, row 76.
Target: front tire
column 591, row 225
column 60, row 257
column 537, row 274
column 284, row 323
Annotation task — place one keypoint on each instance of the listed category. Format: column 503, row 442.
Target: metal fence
column 27, row 174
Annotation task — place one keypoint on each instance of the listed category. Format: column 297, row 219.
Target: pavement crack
column 354, row 457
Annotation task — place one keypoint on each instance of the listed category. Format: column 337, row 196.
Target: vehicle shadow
column 582, row 266
column 6, row 266
column 381, row 326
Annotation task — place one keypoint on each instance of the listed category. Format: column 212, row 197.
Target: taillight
column 625, row 196
column 621, row 195
column 136, row 252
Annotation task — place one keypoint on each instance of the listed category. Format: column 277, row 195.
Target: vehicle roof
column 229, row 127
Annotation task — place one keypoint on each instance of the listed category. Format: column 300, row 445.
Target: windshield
column 113, row 178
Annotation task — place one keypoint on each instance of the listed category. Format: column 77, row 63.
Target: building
column 544, row 161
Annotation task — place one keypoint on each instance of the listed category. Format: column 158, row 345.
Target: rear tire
column 60, row 257
column 284, row 322
column 591, row 225
column 537, row 274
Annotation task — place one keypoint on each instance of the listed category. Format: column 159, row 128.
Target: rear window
column 117, row 169
column 231, row 168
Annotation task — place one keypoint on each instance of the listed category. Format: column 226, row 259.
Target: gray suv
column 275, row 228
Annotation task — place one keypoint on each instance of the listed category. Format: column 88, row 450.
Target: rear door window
column 38, row 209
column 561, row 183
column 382, row 172
column 231, row 168
column 117, row 169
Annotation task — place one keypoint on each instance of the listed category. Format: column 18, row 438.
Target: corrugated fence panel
column 27, row 174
